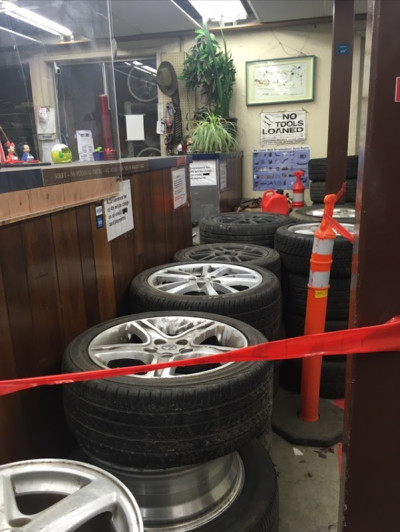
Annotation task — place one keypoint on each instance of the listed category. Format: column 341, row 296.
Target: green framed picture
column 289, row 79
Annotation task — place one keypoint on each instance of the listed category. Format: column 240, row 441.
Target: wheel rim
column 210, row 279
column 233, row 253
column 246, row 218
column 142, row 85
column 338, row 212
column 62, row 495
column 165, row 338
column 309, row 229
column 196, row 494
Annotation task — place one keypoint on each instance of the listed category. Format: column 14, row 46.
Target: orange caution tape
column 373, row 339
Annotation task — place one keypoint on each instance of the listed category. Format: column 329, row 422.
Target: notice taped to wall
column 179, row 187
column 203, row 173
column 119, row 212
column 283, row 128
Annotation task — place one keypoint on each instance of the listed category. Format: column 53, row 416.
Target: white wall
column 311, row 39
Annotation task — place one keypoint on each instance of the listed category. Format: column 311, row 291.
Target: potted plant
column 212, row 133
column 210, row 68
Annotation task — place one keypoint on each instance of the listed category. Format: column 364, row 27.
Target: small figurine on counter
column 27, row 156
column 11, row 155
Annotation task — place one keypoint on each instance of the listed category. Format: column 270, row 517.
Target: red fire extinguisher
column 298, row 190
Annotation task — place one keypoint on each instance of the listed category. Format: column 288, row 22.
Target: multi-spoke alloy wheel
column 171, row 417
column 63, row 496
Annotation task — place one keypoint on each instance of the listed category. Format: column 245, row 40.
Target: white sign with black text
column 283, row 127
column 179, row 187
column 119, row 213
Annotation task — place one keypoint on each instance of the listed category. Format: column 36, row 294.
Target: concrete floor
column 308, row 479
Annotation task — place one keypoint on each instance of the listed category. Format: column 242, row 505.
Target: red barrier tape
column 338, row 228
column 377, row 338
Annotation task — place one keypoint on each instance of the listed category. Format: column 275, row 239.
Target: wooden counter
column 59, row 276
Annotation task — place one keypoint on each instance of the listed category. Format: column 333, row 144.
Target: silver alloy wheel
column 163, row 338
column 205, row 278
column 196, row 494
column 61, row 495
column 310, row 228
column 338, row 212
column 220, row 251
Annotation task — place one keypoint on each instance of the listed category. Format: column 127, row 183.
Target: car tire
column 183, row 286
column 258, row 228
column 259, row 497
column 333, row 376
column 295, row 290
column 295, row 243
column 195, row 415
column 234, row 252
column 317, row 168
column 317, row 191
column 342, row 213
column 202, row 509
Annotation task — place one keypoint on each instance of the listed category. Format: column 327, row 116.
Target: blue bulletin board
column 274, row 168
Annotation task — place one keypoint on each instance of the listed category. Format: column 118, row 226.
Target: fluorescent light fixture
column 150, row 69
column 137, row 63
column 20, row 34
column 29, row 17
column 186, row 13
column 222, row 11
column 143, row 70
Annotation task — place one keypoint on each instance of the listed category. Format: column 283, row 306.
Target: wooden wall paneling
column 159, row 215
column 104, row 271
column 146, row 223
column 26, row 347
column 84, row 215
column 168, row 225
column 13, row 440
column 42, row 276
column 138, row 191
column 178, row 225
column 50, row 257
column 123, row 250
column 69, row 269
column 13, row 264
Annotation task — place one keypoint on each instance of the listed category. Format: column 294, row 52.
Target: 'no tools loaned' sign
column 283, row 127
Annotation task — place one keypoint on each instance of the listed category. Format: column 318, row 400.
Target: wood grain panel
column 59, row 276
column 13, row 442
column 85, row 236
column 104, row 272
column 70, row 281
column 41, row 271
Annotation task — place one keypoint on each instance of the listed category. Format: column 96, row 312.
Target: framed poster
column 290, row 79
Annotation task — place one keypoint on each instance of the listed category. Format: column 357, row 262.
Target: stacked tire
column 248, row 293
column 294, row 244
column 317, row 173
column 247, row 227
column 188, row 431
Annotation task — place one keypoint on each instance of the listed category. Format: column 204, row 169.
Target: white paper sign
column 84, row 140
column 134, row 127
column 283, row 128
column 119, row 214
column 179, row 187
column 203, row 173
